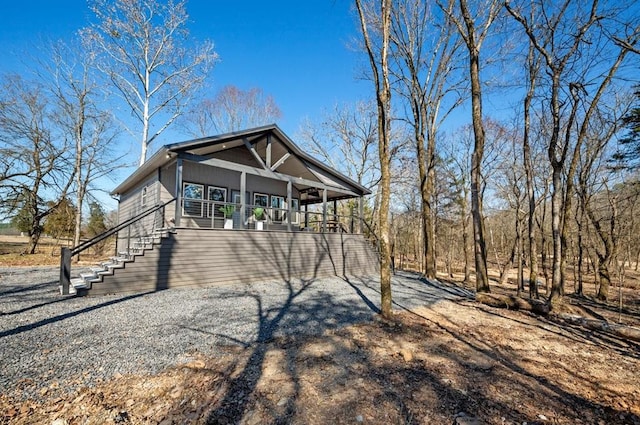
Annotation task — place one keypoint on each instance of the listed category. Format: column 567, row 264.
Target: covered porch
column 284, row 188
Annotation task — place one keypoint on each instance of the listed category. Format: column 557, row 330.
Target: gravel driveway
column 49, row 340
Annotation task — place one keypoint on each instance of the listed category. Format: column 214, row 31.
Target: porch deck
column 204, row 257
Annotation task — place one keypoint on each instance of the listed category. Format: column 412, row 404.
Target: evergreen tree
column 61, row 220
column 96, row 223
column 629, row 153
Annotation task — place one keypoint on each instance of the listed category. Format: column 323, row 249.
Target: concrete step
column 111, row 268
column 90, row 277
column 77, row 283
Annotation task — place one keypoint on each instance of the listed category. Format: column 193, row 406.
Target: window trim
column 144, row 194
column 278, row 213
column 211, row 205
column 185, row 199
column 295, row 219
column 255, row 203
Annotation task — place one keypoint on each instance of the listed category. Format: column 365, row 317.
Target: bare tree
column 232, row 109
column 571, row 38
column 426, row 52
column 346, row 140
column 456, row 153
column 595, row 198
column 474, row 28
column 89, row 129
column 146, row 53
column 379, row 62
column 532, row 67
column 36, row 164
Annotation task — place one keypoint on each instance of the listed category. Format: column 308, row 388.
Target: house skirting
column 204, row 257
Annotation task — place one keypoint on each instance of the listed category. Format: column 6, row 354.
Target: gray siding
column 131, row 205
column 168, row 192
column 194, row 257
column 240, row 155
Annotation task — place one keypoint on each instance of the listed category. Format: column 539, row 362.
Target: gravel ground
column 50, row 341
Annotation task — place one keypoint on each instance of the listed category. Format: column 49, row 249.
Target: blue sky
column 300, row 52
column 296, row 51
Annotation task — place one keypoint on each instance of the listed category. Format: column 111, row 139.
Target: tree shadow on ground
column 49, row 320
column 340, row 378
column 305, row 310
column 329, row 373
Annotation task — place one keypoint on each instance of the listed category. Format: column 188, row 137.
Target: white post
column 324, row 210
column 289, row 209
column 243, row 200
column 178, row 192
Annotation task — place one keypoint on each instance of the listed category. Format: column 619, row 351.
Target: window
column 295, row 206
column 277, row 203
column 260, row 200
column 143, row 196
column 218, row 196
column 192, row 199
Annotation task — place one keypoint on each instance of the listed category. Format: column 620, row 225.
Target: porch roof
column 273, row 154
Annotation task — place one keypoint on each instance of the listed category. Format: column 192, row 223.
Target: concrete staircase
column 81, row 284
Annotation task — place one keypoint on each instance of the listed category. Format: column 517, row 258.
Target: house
column 236, row 207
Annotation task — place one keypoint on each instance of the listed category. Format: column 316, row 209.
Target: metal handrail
column 88, row 244
column 67, row 253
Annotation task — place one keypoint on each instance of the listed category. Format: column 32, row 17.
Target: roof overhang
column 317, row 175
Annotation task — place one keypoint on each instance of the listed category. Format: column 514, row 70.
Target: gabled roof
column 287, row 156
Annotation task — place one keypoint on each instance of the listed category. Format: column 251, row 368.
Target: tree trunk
column 580, row 289
column 426, row 189
column 528, row 168
column 465, row 240
column 507, row 264
column 557, row 285
column 513, row 303
column 34, row 238
column 383, row 98
column 520, row 260
column 604, row 279
column 479, row 244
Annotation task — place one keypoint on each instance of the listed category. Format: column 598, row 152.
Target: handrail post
column 128, row 240
column 360, row 215
column 65, row 270
column 351, row 219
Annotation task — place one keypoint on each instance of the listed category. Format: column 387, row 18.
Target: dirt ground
column 12, row 249
column 451, row 363
column 454, row 362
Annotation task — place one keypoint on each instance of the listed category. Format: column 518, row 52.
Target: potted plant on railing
column 227, row 211
column 258, row 213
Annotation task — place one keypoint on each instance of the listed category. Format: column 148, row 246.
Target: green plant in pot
column 258, row 213
column 227, row 211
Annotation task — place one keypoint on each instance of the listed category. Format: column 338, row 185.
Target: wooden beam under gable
column 253, row 151
column 281, row 161
column 269, row 151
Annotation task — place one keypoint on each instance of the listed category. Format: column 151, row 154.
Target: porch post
column 243, row 198
column 324, row 210
column 361, row 215
column 306, row 216
column 289, row 213
column 65, row 270
column 178, row 192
